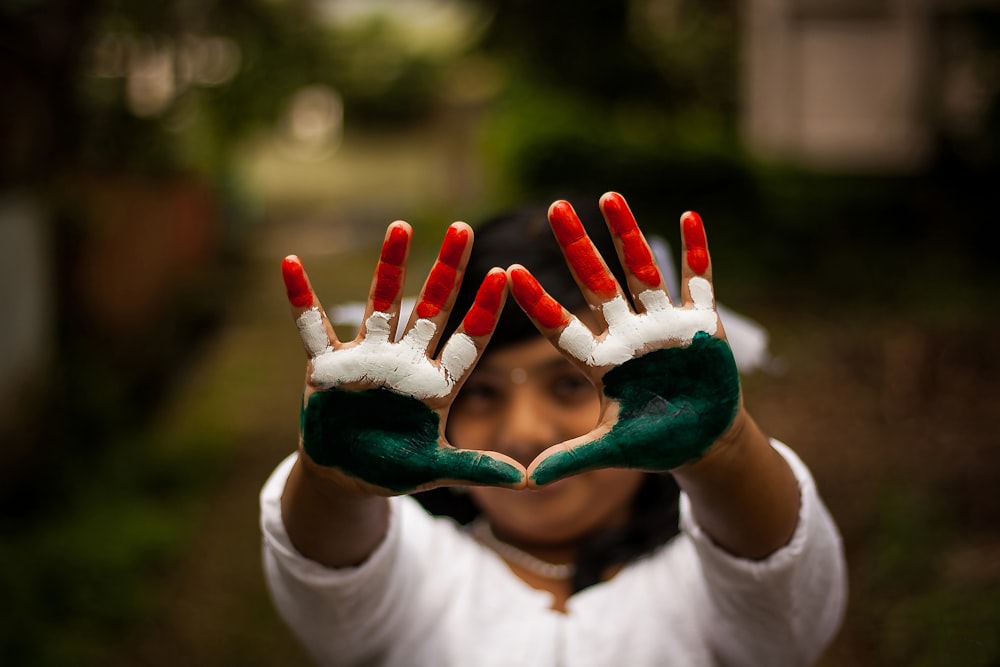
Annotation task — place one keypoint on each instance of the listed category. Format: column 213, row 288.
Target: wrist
column 741, row 436
column 328, row 523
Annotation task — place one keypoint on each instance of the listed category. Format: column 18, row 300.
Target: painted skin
column 373, row 408
column 667, row 376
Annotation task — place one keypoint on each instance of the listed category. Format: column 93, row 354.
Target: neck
column 547, row 564
column 559, row 552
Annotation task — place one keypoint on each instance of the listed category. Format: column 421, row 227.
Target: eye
column 572, row 388
column 478, row 396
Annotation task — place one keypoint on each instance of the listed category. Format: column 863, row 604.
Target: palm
column 372, row 415
column 391, row 441
column 669, row 382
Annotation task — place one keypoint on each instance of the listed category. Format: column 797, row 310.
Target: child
column 574, row 558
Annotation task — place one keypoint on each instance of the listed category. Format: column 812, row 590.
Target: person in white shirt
column 555, row 439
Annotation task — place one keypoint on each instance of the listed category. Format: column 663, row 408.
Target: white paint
column 629, row 333
column 458, row 355
column 402, row 366
column 701, row 293
column 312, row 331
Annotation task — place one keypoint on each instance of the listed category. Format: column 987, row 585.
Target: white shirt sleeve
column 785, row 609
column 429, row 594
column 340, row 615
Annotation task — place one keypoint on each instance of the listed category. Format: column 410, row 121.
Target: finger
column 314, row 328
column 591, row 273
column 565, row 459
column 696, row 269
column 477, row 468
column 634, row 252
column 382, row 313
column 468, row 342
column 547, row 313
column 481, row 319
column 562, row 328
column 438, row 293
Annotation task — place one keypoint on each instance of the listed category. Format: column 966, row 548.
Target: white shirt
column 430, row 595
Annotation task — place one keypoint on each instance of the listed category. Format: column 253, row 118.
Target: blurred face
column 520, row 400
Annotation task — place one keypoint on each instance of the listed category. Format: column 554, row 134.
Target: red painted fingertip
column 455, row 240
column 694, row 242
column 565, row 223
column 535, row 301
column 296, row 285
column 482, row 316
column 617, row 212
column 395, row 244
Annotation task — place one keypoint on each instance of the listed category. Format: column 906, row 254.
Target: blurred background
column 159, row 159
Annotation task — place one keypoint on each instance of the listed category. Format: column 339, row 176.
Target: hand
column 669, row 384
column 373, row 409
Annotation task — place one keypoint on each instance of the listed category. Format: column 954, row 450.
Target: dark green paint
column 390, row 440
column 674, row 404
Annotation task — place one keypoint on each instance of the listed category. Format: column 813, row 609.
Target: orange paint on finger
column 694, row 242
column 482, row 316
column 638, row 259
column 389, row 272
column 296, row 285
column 580, row 252
column 539, row 305
column 441, row 280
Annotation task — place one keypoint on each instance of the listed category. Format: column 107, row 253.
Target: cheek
column 579, row 418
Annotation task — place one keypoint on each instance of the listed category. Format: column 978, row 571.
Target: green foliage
column 76, row 576
column 910, row 611
column 280, row 49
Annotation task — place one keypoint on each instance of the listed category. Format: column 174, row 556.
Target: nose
column 527, row 426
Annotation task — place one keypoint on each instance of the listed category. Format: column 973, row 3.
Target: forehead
column 532, row 356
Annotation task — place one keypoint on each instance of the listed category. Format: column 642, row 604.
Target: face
column 520, row 400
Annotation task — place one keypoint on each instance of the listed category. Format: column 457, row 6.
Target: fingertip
column 560, row 207
column 691, row 222
column 456, row 240
column 515, row 269
column 462, row 225
column 296, row 283
column 399, row 224
column 482, row 316
column 497, row 278
column 520, row 277
column 611, row 201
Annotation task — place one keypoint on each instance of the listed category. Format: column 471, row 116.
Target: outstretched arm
column 671, row 396
column 373, row 410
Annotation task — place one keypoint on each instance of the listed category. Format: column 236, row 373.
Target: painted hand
column 668, row 380
column 373, row 409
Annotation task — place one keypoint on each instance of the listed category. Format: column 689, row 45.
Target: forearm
column 742, row 492
column 328, row 524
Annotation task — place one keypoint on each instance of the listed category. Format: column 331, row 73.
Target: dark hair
column 523, row 236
